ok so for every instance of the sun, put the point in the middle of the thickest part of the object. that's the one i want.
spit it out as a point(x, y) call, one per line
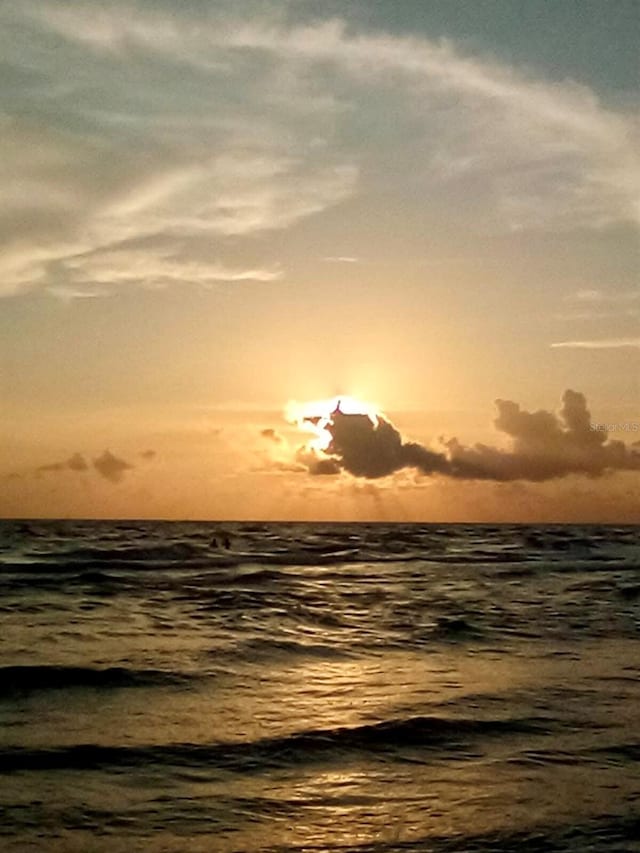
point(315, 416)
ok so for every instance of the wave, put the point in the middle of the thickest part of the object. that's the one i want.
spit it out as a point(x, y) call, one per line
point(454, 628)
point(34, 825)
point(415, 734)
point(94, 567)
point(607, 833)
point(620, 753)
point(446, 630)
point(273, 649)
point(93, 550)
point(31, 679)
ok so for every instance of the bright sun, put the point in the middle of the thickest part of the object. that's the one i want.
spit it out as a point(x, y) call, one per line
point(315, 416)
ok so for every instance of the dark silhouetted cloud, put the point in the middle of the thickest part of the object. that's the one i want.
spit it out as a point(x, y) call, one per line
point(544, 446)
point(271, 435)
point(373, 450)
point(111, 467)
point(316, 463)
point(148, 455)
point(76, 462)
point(51, 468)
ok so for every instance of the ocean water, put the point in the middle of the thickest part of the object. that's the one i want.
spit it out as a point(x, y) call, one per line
point(351, 687)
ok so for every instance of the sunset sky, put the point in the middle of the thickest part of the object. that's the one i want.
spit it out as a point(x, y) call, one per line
point(211, 210)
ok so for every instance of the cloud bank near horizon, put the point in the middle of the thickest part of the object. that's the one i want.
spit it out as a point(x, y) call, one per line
point(109, 466)
point(544, 446)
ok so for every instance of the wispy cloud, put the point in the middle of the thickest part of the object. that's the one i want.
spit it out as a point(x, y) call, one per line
point(198, 125)
point(68, 293)
point(551, 152)
point(135, 152)
point(599, 304)
point(605, 343)
point(600, 296)
point(586, 296)
point(94, 273)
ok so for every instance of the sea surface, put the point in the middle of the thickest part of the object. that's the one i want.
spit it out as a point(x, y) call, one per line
point(319, 687)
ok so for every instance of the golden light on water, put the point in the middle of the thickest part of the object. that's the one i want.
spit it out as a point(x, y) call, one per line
point(315, 416)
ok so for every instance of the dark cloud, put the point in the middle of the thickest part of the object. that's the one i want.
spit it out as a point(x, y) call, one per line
point(313, 462)
point(368, 450)
point(52, 467)
point(148, 455)
point(107, 465)
point(271, 435)
point(76, 462)
point(111, 467)
point(544, 446)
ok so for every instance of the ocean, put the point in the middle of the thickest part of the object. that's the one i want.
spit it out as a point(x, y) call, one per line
point(319, 687)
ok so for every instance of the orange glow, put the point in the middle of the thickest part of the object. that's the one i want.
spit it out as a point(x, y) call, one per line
point(315, 416)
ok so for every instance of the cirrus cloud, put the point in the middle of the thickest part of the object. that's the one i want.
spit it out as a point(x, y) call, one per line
point(198, 128)
point(599, 343)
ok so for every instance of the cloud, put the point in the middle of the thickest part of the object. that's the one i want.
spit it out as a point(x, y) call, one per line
point(593, 295)
point(111, 467)
point(107, 465)
point(148, 455)
point(280, 466)
point(68, 293)
point(317, 463)
point(544, 446)
point(605, 343)
point(93, 273)
point(271, 435)
point(141, 151)
point(550, 153)
point(373, 450)
point(589, 295)
point(230, 194)
point(52, 467)
point(76, 462)
point(195, 126)
point(596, 304)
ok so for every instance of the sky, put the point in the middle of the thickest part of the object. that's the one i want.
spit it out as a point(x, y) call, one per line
point(212, 211)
